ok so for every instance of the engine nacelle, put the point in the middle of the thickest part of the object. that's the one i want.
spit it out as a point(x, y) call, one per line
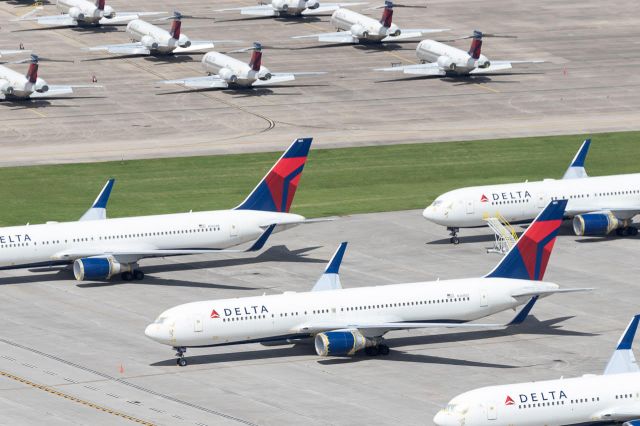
point(41, 86)
point(631, 423)
point(76, 13)
point(484, 64)
point(312, 4)
point(108, 12)
point(227, 75)
point(6, 88)
point(265, 76)
point(597, 223)
point(97, 268)
point(341, 343)
point(359, 31)
point(184, 41)
point(149, 42)
point(446, 63)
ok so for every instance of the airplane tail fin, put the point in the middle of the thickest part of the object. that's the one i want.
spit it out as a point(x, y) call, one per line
point(623, 360)
point(98, 209)
point(576, 168)
point(176, 25)
point(528, 258)
point(256, 57)
point(100, 4)
point(476, 44)
point(32, 72)
point(330, 280)
point(275, 191)
point(387, 14)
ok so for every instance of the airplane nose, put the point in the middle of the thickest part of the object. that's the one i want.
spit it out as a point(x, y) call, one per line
point(445, 419)
point(428, 213)
point(157, 333)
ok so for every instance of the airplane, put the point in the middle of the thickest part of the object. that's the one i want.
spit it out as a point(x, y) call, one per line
point(14, 85)
point(225, 71)
point(439, 59)
point(98, 250)
point(287, 8)
point(597, 205)
point(356, 28)
point(84, 12)
point(151, 39)
point(610, 398)
point(344, 321)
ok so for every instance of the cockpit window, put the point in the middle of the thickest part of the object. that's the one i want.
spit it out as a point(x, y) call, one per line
point(451, 407)
point(437, 203)
point(160, 320)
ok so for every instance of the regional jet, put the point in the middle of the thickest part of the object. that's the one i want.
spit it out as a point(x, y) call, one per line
point(356, 28)
point(286, 8)
point(598, 205)
point(345, 321)
point(610, 398)
point(101, 249)
point(225, 71)
point(439, 59)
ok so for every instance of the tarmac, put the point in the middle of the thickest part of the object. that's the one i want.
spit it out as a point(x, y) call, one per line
point(588, 83)
point(75, 353)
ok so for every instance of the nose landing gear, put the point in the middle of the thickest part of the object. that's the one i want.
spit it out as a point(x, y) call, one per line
point(454, 235)
point(181, 361)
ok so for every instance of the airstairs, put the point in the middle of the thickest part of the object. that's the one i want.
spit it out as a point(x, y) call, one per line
point(505, 235)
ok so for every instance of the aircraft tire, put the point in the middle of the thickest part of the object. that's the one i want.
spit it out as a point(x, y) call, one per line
point(126, 276)
point(138, 275)
point(181, 362)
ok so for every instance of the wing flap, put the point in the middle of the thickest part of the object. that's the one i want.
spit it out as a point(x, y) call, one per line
point(494, 67)
point(275, 79)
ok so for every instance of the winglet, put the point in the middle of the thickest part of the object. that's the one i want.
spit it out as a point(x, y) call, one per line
point(330, 280)
point(623, 360)
point(98, 210)
point(524, 312)
point(576, 169)
point(260, 242)
point(528, 258)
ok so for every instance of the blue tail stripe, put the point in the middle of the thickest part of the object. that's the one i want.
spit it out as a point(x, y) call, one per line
point(334, 264)
point(581, 156)
point(103, 198)
point(629, 334)
point(285, 191)
point(300, 148)
point(524, 313)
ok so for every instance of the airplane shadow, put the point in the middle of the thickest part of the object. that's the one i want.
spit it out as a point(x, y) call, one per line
point(80, 30)
point(531, 326)
point(366, 47)
point(468, 239)
point(289, 20)
point(462, 80)
point(29, 103)
point(246, 91)
point(159, 59)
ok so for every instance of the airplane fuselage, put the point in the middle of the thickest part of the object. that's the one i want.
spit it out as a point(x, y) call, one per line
point(284, 316)
point(15, 85)
point(581, 400)
point(232, 70)
point(363, 27)
point(452, 60)
point(291, 7)
point(155, 38)
point(84, 11)
point(521, 202)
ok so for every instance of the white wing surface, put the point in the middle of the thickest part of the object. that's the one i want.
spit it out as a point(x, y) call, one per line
point(208, 82)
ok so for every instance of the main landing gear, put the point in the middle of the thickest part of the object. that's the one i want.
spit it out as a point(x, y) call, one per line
point(454, 235)
point(181, 361)
point(380, 349)
point(627, 231)
point(136, 274)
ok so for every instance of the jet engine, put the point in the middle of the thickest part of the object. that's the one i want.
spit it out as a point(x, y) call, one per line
point(76, 13)
point(484, 64)
point(184, 41)
point(41, 86)
point(446, 63)
point(341, 342)
point(227, 75)
point(359, 31)
point(265, 75)
point(632, 423)
point(312, 4)
point(97, 268)
point(149, 42)
point(598, 224)
point(6, 88)
point(108, 12)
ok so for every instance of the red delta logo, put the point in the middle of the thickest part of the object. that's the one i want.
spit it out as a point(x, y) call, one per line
point(214, 314)
point(483, 199)
point(509, 401)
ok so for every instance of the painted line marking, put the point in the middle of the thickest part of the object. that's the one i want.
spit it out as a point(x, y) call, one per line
point(395, 55)
point(491, 89)
point(37, 112)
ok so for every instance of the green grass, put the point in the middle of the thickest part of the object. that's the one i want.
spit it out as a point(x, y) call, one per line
point(335, 181)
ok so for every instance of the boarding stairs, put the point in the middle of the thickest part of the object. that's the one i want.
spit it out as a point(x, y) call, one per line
point(505, 235)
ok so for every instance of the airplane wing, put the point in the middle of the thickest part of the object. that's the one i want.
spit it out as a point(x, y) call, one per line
point(56, 90)
point(412, 33)
point(329, 7)
point(126, 17)
point(132, 254)
point(280, 77)
point(429, 69)
point(620, 414)
point(54, 20)
point(121, 49)
point(627, 211)
point(337, 37)
point(262, 10)
point(208, 82)
point(500, 66)
point(195, 46)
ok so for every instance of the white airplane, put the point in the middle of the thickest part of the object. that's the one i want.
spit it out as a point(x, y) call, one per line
point(598, 205)
point(279, 8)
point(610, 398)
point(151, 39)
point(354, 28)
point(84, 12)
point(225, 71)
point(344, 321)
point(18, 86)
point(439, 59)
point(101, 249)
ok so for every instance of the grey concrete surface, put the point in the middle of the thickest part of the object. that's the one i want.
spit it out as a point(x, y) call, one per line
point(86, 340)
point(588, 84)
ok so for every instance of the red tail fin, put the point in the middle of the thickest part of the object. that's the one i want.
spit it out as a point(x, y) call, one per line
point(175, 28)
point(387, 15)
point(100, 4)
point(256, 57)
point(476, 45)
point(32, 73)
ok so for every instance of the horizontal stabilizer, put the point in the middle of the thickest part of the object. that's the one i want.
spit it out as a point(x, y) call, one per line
point(576, 169)
point(330, 280)
point(623, 360)
point(550, 291)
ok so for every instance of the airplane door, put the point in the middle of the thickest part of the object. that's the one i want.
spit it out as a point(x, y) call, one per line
point(492, 412)
point(541, 202)
point(233, 231)
point(484, 299)
point(470, 207)
point(197, 325)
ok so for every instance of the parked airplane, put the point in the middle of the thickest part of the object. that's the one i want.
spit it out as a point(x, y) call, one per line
point(356, 28)
point(151, 39)
point(439, 59)
point(344, 321)
point(289, 8)
point(101, 250)
point(84, 12)
point(598, 205)
point(610, 398)
point(225, 71)
point(17, 86)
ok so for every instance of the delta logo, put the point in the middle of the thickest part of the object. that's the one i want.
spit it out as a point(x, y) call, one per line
point(509, 401)
point(483, 199)
point(214, 314)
